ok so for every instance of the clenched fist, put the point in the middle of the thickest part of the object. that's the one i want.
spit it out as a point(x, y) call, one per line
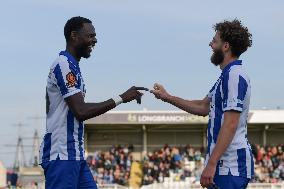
point(160, 92)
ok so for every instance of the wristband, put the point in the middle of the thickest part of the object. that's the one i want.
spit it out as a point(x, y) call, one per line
point(118, 100)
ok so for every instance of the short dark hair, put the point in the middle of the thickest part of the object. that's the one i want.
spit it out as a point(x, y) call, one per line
point(74, 24)
point(235, 34)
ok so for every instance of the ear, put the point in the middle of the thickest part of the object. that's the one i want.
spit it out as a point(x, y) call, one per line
point(226, 46)
point(73, 36)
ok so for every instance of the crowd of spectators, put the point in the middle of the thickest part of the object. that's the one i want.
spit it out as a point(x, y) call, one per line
point(113, 166)
point(269, 164)
point(177, 163)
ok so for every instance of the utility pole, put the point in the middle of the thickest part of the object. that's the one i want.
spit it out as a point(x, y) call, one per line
point(35, 149)
point(35, 146)
point(20, 155)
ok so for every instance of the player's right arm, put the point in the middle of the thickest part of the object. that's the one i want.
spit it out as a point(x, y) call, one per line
point(83, 111)
point(66, 78)
point(196, 107)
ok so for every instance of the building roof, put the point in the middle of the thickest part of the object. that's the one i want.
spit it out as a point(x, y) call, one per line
point(267, 116)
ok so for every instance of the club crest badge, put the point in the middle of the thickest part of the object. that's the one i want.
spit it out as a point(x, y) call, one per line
point(71, 79)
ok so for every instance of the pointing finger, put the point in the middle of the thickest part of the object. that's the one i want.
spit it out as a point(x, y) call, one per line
point(142, 88)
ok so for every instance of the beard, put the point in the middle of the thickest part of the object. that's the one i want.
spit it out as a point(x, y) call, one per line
point(83, 51)
point(217, 57)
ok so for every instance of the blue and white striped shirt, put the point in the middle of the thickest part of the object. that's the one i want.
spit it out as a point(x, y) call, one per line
point(64, 138)
point(231, 92)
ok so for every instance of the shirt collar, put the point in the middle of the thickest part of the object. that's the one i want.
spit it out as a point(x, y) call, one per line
point(70, 58)
point(236, 62)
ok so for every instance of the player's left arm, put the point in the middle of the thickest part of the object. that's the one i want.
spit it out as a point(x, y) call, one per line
point(225, 137)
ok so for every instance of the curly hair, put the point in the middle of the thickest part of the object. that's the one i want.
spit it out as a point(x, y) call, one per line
point(235, 34)
point(74, 24)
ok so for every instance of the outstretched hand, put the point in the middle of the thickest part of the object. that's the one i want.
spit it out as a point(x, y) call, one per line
point(133, 93)
point(160, 92)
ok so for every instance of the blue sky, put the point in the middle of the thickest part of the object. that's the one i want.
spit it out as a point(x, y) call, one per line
point(139, 43)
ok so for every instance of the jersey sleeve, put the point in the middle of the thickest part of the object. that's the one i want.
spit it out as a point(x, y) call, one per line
point(234, 89)
point(66, 79)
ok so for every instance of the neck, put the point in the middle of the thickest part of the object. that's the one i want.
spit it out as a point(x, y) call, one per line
point(227, 60)
point(72, 51)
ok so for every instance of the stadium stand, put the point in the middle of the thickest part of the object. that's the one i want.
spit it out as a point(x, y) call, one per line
point(175, 165)
point(181, 167)
point(151, 163)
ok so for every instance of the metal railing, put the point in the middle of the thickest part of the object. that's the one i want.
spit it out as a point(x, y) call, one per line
point(182, 185)
point(174, 185)
point(111, 186)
